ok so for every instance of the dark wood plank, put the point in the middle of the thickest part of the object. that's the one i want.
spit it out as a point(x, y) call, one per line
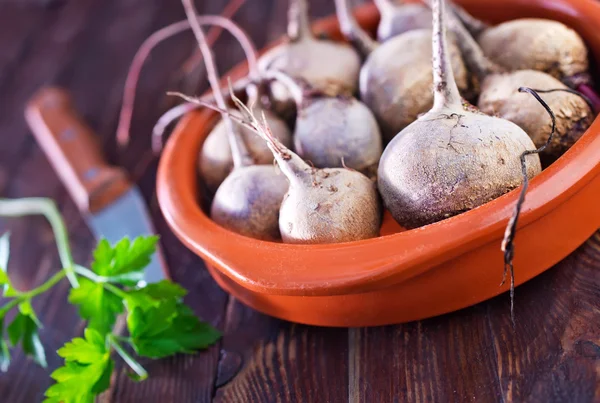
point(52, 46)
point(276, 361)
point(554, 353)
point(17, 36)
point(87, 47)
point(55, 46)
point(475, 355)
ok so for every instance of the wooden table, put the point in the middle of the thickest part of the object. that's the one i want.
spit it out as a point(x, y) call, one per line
point(553, 354)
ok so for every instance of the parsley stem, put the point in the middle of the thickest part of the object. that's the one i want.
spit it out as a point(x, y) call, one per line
point(47, 208)
point(82, 271)
point(115, 290)
point(87, 273)
point(10, 305)
point(122, 338)
point(133, 364)
point(51, 282)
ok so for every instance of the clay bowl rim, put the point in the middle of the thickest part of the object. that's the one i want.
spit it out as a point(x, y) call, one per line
point(310, 270)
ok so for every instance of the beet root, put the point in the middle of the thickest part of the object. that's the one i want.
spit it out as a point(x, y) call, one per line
point(500, 96)
point(216, 161)
point(338, 132)
point(248, 201)
point(537, 44)
point(397, 19)
point(453, 158)
point(328, 205)
point(322, 63)
point(309, 211)
point(447, 163)
point(396, 80)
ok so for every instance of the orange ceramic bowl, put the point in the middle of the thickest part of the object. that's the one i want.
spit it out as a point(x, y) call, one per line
point(402, 275)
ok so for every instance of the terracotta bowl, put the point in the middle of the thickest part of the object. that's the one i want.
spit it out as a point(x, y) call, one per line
point(402, 275)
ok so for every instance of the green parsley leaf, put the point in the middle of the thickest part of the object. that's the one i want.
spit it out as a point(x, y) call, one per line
point(25, 329)
point(168, 329)
point(85, 351)
point(103, 382)
point(126, 261)
point(4, 281)
point(9, 291)
point(153, 294)
point(86, 372)
point(96, 304)
point(103, 257)
point(26, 309)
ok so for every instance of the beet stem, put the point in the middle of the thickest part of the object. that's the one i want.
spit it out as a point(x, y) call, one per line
point(293, 86)
point(508, 246)
point(177, 111)
point(299, 21)
point(570, 91)
point(385, 6)
point(474, 25)
point(169, 116)
point(239, 151)
point(192, 70)
point(195, 60)
point(446, 93)
point(293, 167)
point(207, 104)
point(124, 126)
point(359, 38)
point(477, 62)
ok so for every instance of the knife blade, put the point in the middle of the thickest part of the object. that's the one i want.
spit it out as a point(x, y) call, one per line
point(112, 206)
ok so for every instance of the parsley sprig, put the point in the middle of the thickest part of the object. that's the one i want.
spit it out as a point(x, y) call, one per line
point(159, 324)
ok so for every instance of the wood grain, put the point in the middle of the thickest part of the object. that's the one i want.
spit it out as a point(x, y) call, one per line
point(25, 382)
point(281, 362)
point(552, 355)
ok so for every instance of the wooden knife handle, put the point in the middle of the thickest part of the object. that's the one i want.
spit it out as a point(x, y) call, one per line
point(73, 151)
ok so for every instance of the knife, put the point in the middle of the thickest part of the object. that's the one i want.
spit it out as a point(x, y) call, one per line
point(112, 206)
